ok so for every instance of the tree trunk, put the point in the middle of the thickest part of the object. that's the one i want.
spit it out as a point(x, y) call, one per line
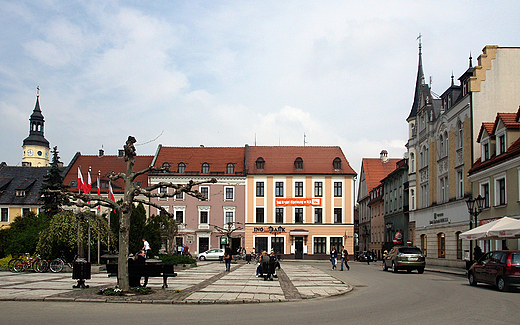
point(122, 273)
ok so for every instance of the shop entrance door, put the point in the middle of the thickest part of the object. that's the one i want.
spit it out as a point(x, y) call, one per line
point(203, 244)
point(260, 244)
point(298, 247)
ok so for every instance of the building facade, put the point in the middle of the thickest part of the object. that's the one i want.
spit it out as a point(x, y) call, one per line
point(35, 146)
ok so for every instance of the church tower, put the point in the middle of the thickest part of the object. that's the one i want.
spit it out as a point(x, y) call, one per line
point(35, 146)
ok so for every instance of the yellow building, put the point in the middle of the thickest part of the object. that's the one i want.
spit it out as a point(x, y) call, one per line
point(299, 201)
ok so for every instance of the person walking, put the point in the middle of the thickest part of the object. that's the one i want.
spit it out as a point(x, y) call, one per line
point(146, 248)
point(369, 257)
point(344, 258)
point(227, 258)
point(333, 257)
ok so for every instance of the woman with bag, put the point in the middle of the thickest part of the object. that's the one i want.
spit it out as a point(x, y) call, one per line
point(333, 257)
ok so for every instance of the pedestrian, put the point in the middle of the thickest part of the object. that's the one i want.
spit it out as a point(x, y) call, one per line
point(333, 257)
point(259, 270)
point(344, 258)
point(186, 251)
point(369, 257)
point(146, 248)
point(227, 258)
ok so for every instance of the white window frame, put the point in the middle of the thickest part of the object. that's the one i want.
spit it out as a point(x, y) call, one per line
point(232, 193)
point(498, 178)
point(487, 198)
point(228, 209)
point(204, 208)
point(460, 183)
point(181, 208)
point(499, 150)
point(303, 188)
point(7, 214)
point(200, 190)
point(161, 192)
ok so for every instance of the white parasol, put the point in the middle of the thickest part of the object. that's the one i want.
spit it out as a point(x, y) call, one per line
point(502, 228)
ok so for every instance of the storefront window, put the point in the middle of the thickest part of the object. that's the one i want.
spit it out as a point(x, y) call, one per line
point(320, 245)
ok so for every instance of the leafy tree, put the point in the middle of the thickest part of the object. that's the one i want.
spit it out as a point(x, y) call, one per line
point(22, 235)
point(62, 232)
point(137, 228)
point(53, 201)
point(131, 196)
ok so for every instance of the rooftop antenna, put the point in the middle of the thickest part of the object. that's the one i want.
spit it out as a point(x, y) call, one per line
point(304, 139)
point(255, 139)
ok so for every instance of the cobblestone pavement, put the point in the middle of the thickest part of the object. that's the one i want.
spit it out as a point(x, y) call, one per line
point(206, 283)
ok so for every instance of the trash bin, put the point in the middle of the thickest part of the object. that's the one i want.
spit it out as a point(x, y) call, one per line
point(81, 272)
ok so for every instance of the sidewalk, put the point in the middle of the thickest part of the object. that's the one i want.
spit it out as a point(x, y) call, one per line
point(206, 283)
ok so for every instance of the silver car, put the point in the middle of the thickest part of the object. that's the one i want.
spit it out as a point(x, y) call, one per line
point(211, 254)
point(404, 258)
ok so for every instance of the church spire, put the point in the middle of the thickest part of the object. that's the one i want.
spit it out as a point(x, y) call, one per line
point(418, 82)
point(35, 145)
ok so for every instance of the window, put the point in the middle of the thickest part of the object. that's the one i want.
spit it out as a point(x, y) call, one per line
point(412, 199)
point(459, 245)
point(260, 189)
point(441, 245)
point(298, 215)
point(230, 168)
point(442, 146)
point(412, 162)
point(484, 192)
point(460, 184)
point(25, 211)
point(501, 144)
point(204, 217)
point(277, 245)
point(298, 163)
point(229, 217)
point(337, 189)
point(337, 163)
point(298, 189)
point(260, 215)
point(278, 189)
point(337, 215)
point(230, 193)
point(500, 191)
point(163, 190)
point(181, 168)
point(424, 242)
point(460, 133)
point(318, 218)
point(320, 245)
point(205, 168)
point(179, 216)
point(443, 189)
point(204, 190)
point(20, 193)
point(336, 242)
point(485, 150)
point(166, 167)
point(260, 163)
point(4, 215)
point(318, 189)
point(279, 215)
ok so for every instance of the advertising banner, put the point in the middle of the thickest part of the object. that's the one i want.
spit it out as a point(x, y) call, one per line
point(297, 202)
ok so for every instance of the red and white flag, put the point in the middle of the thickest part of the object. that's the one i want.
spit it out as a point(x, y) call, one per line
point(110, 192)
point(88, 186)
point(81, 183)
point(98, 191)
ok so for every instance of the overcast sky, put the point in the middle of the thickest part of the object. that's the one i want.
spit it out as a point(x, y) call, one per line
point(229, 73)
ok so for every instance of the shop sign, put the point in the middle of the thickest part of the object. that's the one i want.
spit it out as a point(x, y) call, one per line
point(270, 230)
point(296, 202)
point(439, 218)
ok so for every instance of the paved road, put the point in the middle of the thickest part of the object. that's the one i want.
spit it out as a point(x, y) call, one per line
point(378, 298)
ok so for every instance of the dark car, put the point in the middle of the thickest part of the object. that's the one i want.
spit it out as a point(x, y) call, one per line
point(500, 268)
point(407, 258)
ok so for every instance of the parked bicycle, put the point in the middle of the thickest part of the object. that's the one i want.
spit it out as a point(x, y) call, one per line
point(57, 264)
point(27, 262)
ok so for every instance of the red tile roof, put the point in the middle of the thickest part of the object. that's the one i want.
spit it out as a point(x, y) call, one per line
point(217, 157)
point(509, 120)
point(512, 152)
point(375, 170)
point(486, 127)
point(106, 164)
point(280, 160)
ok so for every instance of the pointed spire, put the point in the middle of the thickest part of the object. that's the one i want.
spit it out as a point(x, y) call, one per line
point(470, 60)
point(418, 81)
point(36, 125)
point(452, 78)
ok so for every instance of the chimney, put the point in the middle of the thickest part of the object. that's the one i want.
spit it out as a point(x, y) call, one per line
point(383, 156)
point(121, 153)
point(101, 152)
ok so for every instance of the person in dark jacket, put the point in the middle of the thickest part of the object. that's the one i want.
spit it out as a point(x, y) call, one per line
point(333, 257)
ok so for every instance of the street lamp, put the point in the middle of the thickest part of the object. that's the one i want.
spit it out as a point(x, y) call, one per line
point(474, 211)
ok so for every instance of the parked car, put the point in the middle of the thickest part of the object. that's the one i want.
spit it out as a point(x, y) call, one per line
point(360, 256)
point(407, 258)
point(211, 254)
point(500, 268)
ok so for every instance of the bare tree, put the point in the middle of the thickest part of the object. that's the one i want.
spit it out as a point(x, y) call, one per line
point(124, 209)
point(228, 229)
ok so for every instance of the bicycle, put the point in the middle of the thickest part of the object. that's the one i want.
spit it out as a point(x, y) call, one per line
point(21, 264)
point(57, 264)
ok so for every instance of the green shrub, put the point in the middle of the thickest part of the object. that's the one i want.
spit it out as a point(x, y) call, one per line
point(4, 261)
point(176, 260)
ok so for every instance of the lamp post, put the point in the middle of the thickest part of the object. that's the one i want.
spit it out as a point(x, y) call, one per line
point(474, 211)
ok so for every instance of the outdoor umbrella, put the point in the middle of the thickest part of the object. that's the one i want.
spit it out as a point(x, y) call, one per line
point(499, 229)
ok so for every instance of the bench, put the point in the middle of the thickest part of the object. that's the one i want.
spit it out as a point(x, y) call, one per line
point(136, 271)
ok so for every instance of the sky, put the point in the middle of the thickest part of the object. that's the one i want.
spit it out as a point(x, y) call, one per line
point(230, 73)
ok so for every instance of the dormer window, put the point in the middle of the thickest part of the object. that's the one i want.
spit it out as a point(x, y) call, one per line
point(298, 163)
point(485, 151)
point(181, 168)
point(230, 168)
point(260, 163)
point(166, 167)
point(205, 168)
point(20, 193)
point(501, 144)
point(337, 163)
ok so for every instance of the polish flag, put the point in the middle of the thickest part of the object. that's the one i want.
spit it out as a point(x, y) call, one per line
point(88, 186)
point(110, 192)
point(81, 183)
point(98, 192)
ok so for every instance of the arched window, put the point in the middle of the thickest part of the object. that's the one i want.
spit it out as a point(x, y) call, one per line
point(260, 163)
point(298, 163)
point(205, 168)
point(412, 162)
point(181, 168)
point(166, 166)
point(441, 145)
point(337, 163)
point(441, 245)
point(230, 168)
